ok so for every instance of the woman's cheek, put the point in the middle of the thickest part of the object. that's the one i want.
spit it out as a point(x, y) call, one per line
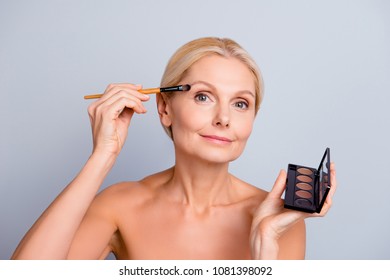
point(244, 127)
point(194, 117)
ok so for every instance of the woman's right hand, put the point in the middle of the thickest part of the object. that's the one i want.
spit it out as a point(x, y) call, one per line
point(54, 233)
point(110, 116)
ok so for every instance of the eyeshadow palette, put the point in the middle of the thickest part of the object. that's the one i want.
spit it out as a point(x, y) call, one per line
point(307, 187)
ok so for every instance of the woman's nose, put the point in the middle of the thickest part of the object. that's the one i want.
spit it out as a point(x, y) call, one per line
point(222, 116)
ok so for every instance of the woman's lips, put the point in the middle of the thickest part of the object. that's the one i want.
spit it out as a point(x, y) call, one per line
point(217, 139)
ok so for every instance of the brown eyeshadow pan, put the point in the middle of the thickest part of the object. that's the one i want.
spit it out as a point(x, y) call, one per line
point(304, 178)
point(305, 171)
point(303, 194)
point(304, 186)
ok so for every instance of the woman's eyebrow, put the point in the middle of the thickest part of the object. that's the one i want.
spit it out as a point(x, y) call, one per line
point(214, 88)
point(204, 83)
point(247, 92)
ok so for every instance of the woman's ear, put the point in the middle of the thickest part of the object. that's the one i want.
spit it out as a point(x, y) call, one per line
point(164, 110)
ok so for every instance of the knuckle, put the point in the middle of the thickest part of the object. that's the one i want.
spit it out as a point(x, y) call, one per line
point(122, 93)
point(100, 110)
point(124, 100)
point(91, 110)
point(110, 86)
point(103, 110)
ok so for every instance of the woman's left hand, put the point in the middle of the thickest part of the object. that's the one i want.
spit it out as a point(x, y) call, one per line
point(271, 219)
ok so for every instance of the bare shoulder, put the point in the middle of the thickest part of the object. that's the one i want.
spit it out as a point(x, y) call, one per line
point(247, 189)
point(131, 193)
point(247, 192)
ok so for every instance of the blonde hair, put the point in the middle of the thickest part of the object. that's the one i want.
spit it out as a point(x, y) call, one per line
point(191, 52)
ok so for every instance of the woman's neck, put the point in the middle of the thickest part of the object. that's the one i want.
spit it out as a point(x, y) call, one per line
point(200, 184)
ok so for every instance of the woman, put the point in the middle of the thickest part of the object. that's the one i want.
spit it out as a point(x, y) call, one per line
point(194, 210)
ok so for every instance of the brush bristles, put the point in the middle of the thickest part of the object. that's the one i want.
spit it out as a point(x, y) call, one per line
point(175, 88)
point(185, 87)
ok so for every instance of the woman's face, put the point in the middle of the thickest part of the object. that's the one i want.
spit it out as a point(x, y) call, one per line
point(214, 119)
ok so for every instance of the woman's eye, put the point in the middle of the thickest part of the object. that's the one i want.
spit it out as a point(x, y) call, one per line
point(241, 105)
point(201, 97)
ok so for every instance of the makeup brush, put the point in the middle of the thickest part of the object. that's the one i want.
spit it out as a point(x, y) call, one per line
point(149, 91)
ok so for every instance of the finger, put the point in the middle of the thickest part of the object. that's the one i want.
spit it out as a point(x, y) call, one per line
point(120, 90)
point(140, 108)
point(129, 103)
point(126, 116)
point(333, 180)
point(279, 185)
point(113, 99)
point(123, 96)
point(123, 85)
point(113, 110)
point(110, 92)
point(135, 92)
point(326, 207)
point(117, 90)
point(333, 187)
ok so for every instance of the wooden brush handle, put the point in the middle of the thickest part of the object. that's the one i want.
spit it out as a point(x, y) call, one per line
point(144, 91)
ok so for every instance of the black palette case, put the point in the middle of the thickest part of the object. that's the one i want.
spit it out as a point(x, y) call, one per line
point(307, 187)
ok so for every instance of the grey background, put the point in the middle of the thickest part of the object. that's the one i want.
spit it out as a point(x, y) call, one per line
point(326, 68)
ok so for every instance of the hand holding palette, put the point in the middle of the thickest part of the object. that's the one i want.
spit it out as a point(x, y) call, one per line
point(307, 187)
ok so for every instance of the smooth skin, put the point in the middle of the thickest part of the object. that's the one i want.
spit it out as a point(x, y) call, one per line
point(194, 210)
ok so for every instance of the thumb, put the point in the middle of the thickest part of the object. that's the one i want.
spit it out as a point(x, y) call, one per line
point(279, 185)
